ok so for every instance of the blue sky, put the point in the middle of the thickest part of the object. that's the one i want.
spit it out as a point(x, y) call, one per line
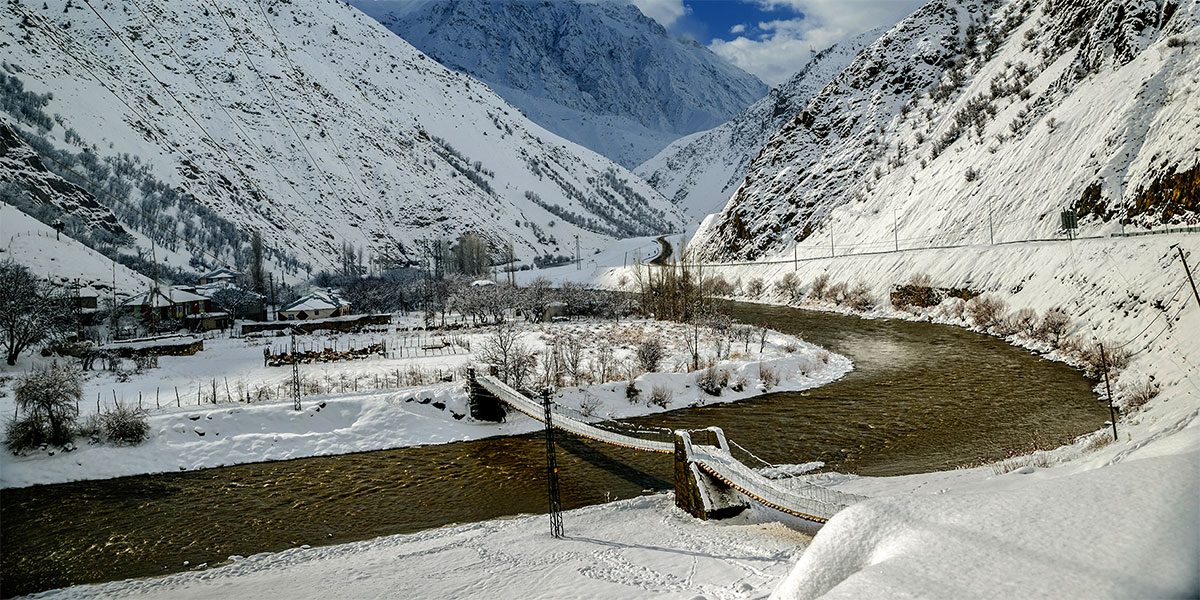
point(773, 38)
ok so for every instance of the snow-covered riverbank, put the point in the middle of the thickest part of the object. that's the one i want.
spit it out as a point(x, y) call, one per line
point(202, 436)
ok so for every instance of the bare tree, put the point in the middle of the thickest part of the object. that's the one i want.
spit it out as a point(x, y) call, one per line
point(512, 359)
point(31, 310)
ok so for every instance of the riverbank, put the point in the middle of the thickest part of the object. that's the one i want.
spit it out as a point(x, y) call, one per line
point(1128, 293)
point(187, 438)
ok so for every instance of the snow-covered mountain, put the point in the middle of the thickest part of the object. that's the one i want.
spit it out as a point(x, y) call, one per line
point(599, 73)
point(700, 171)
point(309, 122)
point(980, 120)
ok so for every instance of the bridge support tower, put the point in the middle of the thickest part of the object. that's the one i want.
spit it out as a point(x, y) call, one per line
point(695, 492)
point(483, 405)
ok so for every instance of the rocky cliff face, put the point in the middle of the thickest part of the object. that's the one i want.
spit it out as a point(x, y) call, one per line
point(981, 120)
point(699, 172)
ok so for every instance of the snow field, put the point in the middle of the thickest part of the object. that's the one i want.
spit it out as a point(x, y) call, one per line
point(334, 421)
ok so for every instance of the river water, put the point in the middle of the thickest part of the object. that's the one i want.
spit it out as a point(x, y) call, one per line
point(922, 397)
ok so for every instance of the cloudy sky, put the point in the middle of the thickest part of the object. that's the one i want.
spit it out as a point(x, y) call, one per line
point(773, 38)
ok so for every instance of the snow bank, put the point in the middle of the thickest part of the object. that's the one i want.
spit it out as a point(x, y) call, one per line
point(639, 548)
point(1127, 531)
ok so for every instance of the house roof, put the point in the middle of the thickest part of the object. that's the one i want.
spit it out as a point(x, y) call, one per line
point(161, 297)
point(325, 300)
point(221, 273)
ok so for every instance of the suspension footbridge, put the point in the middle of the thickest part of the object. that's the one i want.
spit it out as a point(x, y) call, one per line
point(709, 481)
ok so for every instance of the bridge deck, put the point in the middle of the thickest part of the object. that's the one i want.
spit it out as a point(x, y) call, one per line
point(533, 409)
point(799, 499)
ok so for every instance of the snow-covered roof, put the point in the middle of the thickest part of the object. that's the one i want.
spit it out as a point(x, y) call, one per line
point(221, 273)
point(483, 282)
point(325, 300)
point(161, 297)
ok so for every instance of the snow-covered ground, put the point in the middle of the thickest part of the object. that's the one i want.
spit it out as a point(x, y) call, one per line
point(333, 421)
point(639, 548)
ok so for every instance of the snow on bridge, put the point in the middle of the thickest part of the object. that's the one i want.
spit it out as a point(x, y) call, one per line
point(724, 472)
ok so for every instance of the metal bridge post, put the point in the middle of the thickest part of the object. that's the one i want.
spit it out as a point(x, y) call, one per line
point(556, 520)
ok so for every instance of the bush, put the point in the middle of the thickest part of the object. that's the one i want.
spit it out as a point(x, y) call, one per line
point(589, 404)
point(92, 428)
point(755, 287)
point(819, 286)
point(651, 352)
point(1054, 326)
point(125, 426)
point(711, 380)
point(789, 287)
point(1024, 321)
point(986, 312)
point(859, 297)
point(767, 376)
point(25, 434)
point(49, 400)
point(739, 384)
point(1094, 360)
point(632, 393)
point(661, 396)
point(836, 293)
point(1138, 394)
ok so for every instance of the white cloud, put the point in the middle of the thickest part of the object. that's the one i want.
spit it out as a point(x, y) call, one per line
point(666, 12)
point(739, 28)
point(782, 47)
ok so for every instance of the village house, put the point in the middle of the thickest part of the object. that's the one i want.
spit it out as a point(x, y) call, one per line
point(169, 303)
point(219, 277)
point(316, 305)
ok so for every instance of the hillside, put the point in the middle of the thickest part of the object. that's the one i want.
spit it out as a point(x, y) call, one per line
point(981, 120)
point(308, 122)
point(599, 73)
point(699, 172)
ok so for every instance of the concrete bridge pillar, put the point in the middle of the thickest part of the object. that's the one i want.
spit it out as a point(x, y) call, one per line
point(696, 492)
point(483, 405)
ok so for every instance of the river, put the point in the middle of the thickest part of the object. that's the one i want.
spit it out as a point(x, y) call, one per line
point(922, 397)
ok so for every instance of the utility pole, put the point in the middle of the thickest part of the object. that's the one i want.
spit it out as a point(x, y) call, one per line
point(274, 308)
point(796, 256)
point(831, 253)
point(295, 375)
point(556, 520)
point(578, 263)
point(1189, 273)
point(991, 233)
point(896, 230)
point(1112, 411)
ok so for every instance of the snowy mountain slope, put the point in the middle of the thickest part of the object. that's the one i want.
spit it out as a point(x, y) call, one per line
point(980, 121)
point(599, 73)
point(34, 244)
point(699, 172)
point(317, 126)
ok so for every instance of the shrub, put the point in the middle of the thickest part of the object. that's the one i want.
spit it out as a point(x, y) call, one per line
point(859, 297)
point(632, 393)
point(1054, 326)
point(986, 312)
point(1024, 321)
point(651, 352)
point(789, 286)
point(836, 293)
point(767, 376)
point(819, 286)
point(91, 428)
point(49, 400)
point(739, 384)
point(1094, 358)
point(661, 396)
point(589, 404)
point(1138, 394)
point(711, 380)
point(755, 287)
point(717, 285)
point(125, 426)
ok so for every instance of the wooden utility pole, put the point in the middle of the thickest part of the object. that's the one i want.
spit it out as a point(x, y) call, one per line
point(1112, 410)
point(295, 375)
point(1187, 270)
